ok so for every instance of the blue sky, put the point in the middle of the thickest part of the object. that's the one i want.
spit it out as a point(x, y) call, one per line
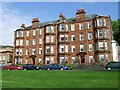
point(13, 14)
point(50, 11)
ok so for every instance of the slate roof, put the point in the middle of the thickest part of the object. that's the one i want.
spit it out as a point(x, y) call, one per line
point(88, 17)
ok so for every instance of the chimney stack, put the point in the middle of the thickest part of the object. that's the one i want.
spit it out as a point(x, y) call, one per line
point(80, 15)
point(23, 25)
point(62, 17)
point(35, 22)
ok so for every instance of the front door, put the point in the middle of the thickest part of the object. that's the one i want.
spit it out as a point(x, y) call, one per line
point(82, 59)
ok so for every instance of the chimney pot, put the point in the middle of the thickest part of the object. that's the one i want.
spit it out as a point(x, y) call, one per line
point(35, 20)
point(23, 25)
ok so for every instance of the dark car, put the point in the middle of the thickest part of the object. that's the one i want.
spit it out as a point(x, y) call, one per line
point(113, 66)
point(30, 67)
point(13, 67)
point(56, 67)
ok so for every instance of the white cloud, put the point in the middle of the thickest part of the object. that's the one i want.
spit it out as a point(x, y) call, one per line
point(11, 19)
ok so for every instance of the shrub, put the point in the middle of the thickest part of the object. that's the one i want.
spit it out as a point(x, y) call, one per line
point(92, 66)
point(70, 66)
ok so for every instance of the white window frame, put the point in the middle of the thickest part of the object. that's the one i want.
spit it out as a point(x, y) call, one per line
point(51, 60)
point(34, 32)
point(47, 38)
point(40, 41)
point(20, 51)
point(41, 31)
point(27, 33)
point(51, 49)
point(33, 51)
point(17, 42)
point(99, 21)
point(62, 36)
point(91, 59)
point(48, 47)
point(104, 33)
point(90, 47)
point(47, 59)
point(27, 42)
point(21, 42)
point(101, 45)
point(17, 51)
point(62, 47)
point(72, 48)
point(104, 20)
point(81, 26)
point(47, 29)
point(102, 55)
point(40, 60)
point(26, 61)
point(62, 59)
point(81, 36)
point(62, 27)
point(27, 51)
point(66, 37)
point(89, 25)
point(52, 39)
point(100, 32)
point(40, 51)
point(90, 36)
point(72, 36)
point(81, 47)
point(52, 29)
point(106, 45)
point(66, 27)
point(73, 59)
point(66, 48)
point(34, 42)
point(72, 27)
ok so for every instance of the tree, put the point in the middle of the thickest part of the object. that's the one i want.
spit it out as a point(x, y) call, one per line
point(116, 30)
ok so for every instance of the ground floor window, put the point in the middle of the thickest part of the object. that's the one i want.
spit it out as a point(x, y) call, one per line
point(106, 57)
point(62, 60)
point(20, 61)
point(73, 59)
point(91, 59)
point(47, 60)
point(16, 61)
point(52, 60)
point(101, 57)
point(26, 61)
point(40, 60)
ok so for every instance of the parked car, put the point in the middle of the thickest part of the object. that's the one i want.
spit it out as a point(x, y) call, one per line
point(55, 67)
point(13, 67)
point(113, 66)
point(2, 66)
point(30, 67)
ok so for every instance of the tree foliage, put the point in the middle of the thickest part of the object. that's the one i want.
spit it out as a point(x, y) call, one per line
point(116, 30)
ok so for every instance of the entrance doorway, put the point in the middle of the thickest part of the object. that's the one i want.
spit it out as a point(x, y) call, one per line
point(82, 59)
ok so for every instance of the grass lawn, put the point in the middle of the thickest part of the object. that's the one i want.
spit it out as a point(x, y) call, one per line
point(59, 79)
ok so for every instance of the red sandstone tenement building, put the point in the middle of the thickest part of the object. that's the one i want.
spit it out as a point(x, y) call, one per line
point(86, 37)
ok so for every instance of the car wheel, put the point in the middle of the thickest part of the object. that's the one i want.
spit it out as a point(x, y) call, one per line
point(48, 68)
point(108, 68)
point(61, 69)
point(25, 69)
point(40, 69)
